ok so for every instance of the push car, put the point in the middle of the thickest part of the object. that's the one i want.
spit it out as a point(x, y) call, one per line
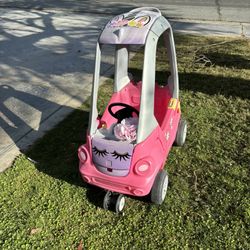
point(133, 165)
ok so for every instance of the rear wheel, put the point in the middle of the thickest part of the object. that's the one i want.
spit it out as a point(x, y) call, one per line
point(107, 200)
point(160, 186)
point(181, 133)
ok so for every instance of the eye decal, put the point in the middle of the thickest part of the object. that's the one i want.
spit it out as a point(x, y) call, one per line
point(124, 157)
point(100, 152)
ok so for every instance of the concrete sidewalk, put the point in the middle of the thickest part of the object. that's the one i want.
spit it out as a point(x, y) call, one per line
point(46, 66)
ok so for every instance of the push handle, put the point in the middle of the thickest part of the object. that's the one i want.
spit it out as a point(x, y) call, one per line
point(146, 8)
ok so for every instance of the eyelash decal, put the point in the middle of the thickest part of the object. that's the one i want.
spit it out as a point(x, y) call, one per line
point(100, 152)
point(124, 157)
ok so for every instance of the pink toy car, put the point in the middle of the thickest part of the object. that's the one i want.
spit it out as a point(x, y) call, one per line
point(126, 149)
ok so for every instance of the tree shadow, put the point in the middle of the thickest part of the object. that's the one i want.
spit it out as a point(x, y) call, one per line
point(205, 83)
point(215, 85)
point(57, 47)
point(38, 51)
point(13, 106)
point(229, 61)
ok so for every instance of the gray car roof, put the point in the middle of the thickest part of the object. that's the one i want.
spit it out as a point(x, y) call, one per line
point(130, 28)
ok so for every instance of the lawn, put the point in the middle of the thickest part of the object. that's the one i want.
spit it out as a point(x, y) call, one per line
point(44, 204)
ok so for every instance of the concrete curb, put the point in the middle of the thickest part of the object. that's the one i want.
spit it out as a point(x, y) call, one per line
point(211, 28)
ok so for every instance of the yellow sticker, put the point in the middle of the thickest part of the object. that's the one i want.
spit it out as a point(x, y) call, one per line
point(172, 103)
point(179, 107)
point(132, 23)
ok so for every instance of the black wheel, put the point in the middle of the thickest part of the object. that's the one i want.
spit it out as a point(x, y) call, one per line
point(107, 200)
point(160, 186)
point(181, 133)
point(114, 202)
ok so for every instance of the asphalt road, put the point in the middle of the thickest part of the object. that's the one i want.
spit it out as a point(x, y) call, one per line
point(212, 10)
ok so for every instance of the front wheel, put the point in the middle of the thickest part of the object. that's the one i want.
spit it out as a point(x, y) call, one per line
point(160, 186)
point(181, 133)
point(114, 202)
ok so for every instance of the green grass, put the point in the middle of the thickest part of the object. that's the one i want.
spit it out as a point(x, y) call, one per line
point(46, 205)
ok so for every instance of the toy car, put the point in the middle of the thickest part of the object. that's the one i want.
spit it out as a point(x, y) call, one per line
point(133, 166)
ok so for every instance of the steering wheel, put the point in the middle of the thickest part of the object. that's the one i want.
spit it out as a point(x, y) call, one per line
point(123, 113)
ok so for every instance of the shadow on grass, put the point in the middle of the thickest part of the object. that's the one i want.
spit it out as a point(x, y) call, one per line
point(215, 85)
point(229, 61)
point(207, 84)
point(56, 152)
